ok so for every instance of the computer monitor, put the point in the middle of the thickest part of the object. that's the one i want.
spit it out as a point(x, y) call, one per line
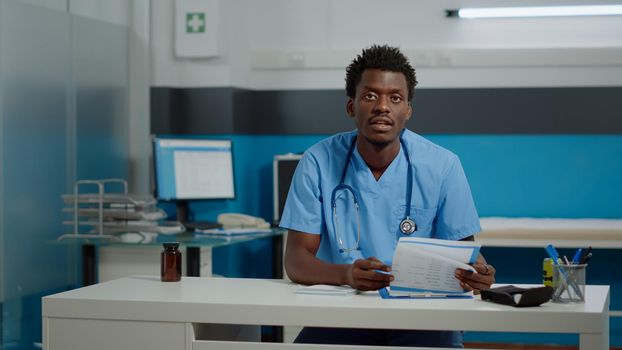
point(284, 166)
point(192, 169)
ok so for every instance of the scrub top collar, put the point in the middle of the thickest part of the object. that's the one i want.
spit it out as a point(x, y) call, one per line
point(368, 183)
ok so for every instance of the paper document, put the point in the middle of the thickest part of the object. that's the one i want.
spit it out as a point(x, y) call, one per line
point(423, 266)
point(325, 289)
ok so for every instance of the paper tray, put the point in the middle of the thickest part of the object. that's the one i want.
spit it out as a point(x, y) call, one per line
point(123, 214)
point(109, 198)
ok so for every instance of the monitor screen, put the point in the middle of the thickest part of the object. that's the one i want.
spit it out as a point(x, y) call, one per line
point(284, 166)
point(193, 169)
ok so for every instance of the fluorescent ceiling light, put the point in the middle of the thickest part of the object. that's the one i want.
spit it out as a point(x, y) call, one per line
point(536, 11)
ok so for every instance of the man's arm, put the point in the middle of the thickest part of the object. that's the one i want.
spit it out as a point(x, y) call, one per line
point(302, 266)
point(484, 277)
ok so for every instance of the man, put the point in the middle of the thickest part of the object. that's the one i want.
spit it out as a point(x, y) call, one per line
point(355, 194)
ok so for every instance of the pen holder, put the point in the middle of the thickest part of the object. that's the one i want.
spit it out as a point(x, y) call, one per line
point(569, 283)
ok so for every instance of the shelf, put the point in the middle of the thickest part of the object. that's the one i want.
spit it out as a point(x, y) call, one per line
point(185, 239)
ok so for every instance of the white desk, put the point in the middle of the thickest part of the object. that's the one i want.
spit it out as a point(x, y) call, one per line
point(142, 312)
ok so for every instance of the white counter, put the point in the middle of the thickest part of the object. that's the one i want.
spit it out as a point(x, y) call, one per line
point(142, 312)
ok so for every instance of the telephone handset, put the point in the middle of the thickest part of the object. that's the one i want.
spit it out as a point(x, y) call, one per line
point(235, 220)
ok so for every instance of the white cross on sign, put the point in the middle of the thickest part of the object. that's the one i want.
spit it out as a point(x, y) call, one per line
point(195, 22)
point(198, 31)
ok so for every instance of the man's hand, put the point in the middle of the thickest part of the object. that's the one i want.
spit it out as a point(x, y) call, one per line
point(362, 275)
point(481, 280)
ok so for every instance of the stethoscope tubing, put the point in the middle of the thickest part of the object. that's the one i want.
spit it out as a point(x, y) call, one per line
point(407, 225)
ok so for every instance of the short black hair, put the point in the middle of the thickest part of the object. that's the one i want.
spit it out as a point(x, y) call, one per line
point(381, 57)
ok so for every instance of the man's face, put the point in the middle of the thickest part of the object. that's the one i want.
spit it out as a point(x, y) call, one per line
point(380, 107)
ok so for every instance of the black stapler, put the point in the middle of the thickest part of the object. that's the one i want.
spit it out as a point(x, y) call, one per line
point(518, 297)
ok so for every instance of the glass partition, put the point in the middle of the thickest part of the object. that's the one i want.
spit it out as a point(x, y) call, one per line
point(63, 115)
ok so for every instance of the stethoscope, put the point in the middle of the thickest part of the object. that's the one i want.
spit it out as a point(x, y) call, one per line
point(407, 225)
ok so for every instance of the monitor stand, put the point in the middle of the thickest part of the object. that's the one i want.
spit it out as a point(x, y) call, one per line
point(191, 224)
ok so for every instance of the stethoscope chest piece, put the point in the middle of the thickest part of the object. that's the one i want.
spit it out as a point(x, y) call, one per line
point(408, 226)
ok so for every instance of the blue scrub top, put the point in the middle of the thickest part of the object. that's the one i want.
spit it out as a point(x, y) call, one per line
point(442, 204)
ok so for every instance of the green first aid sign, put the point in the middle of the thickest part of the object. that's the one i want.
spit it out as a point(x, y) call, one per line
point(195, 22)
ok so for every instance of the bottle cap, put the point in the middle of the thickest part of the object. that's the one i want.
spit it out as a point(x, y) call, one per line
point(171, 245)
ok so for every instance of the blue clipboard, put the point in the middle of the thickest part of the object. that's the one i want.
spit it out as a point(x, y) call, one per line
point(385, 294)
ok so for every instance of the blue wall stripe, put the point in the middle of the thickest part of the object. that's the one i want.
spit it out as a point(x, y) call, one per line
point(566, 176)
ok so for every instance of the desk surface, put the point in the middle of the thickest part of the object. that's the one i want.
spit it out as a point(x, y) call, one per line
point(274, 302)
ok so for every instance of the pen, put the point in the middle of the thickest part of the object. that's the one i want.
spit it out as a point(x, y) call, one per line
point(437, 295)
point(566, 260)
point(584, 258)
point(577, 257)
point(550, 250)
point(426, 295)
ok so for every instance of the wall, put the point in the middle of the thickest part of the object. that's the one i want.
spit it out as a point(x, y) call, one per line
point(300, 39)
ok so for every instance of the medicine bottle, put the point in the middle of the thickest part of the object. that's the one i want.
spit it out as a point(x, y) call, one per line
point(170, 267)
